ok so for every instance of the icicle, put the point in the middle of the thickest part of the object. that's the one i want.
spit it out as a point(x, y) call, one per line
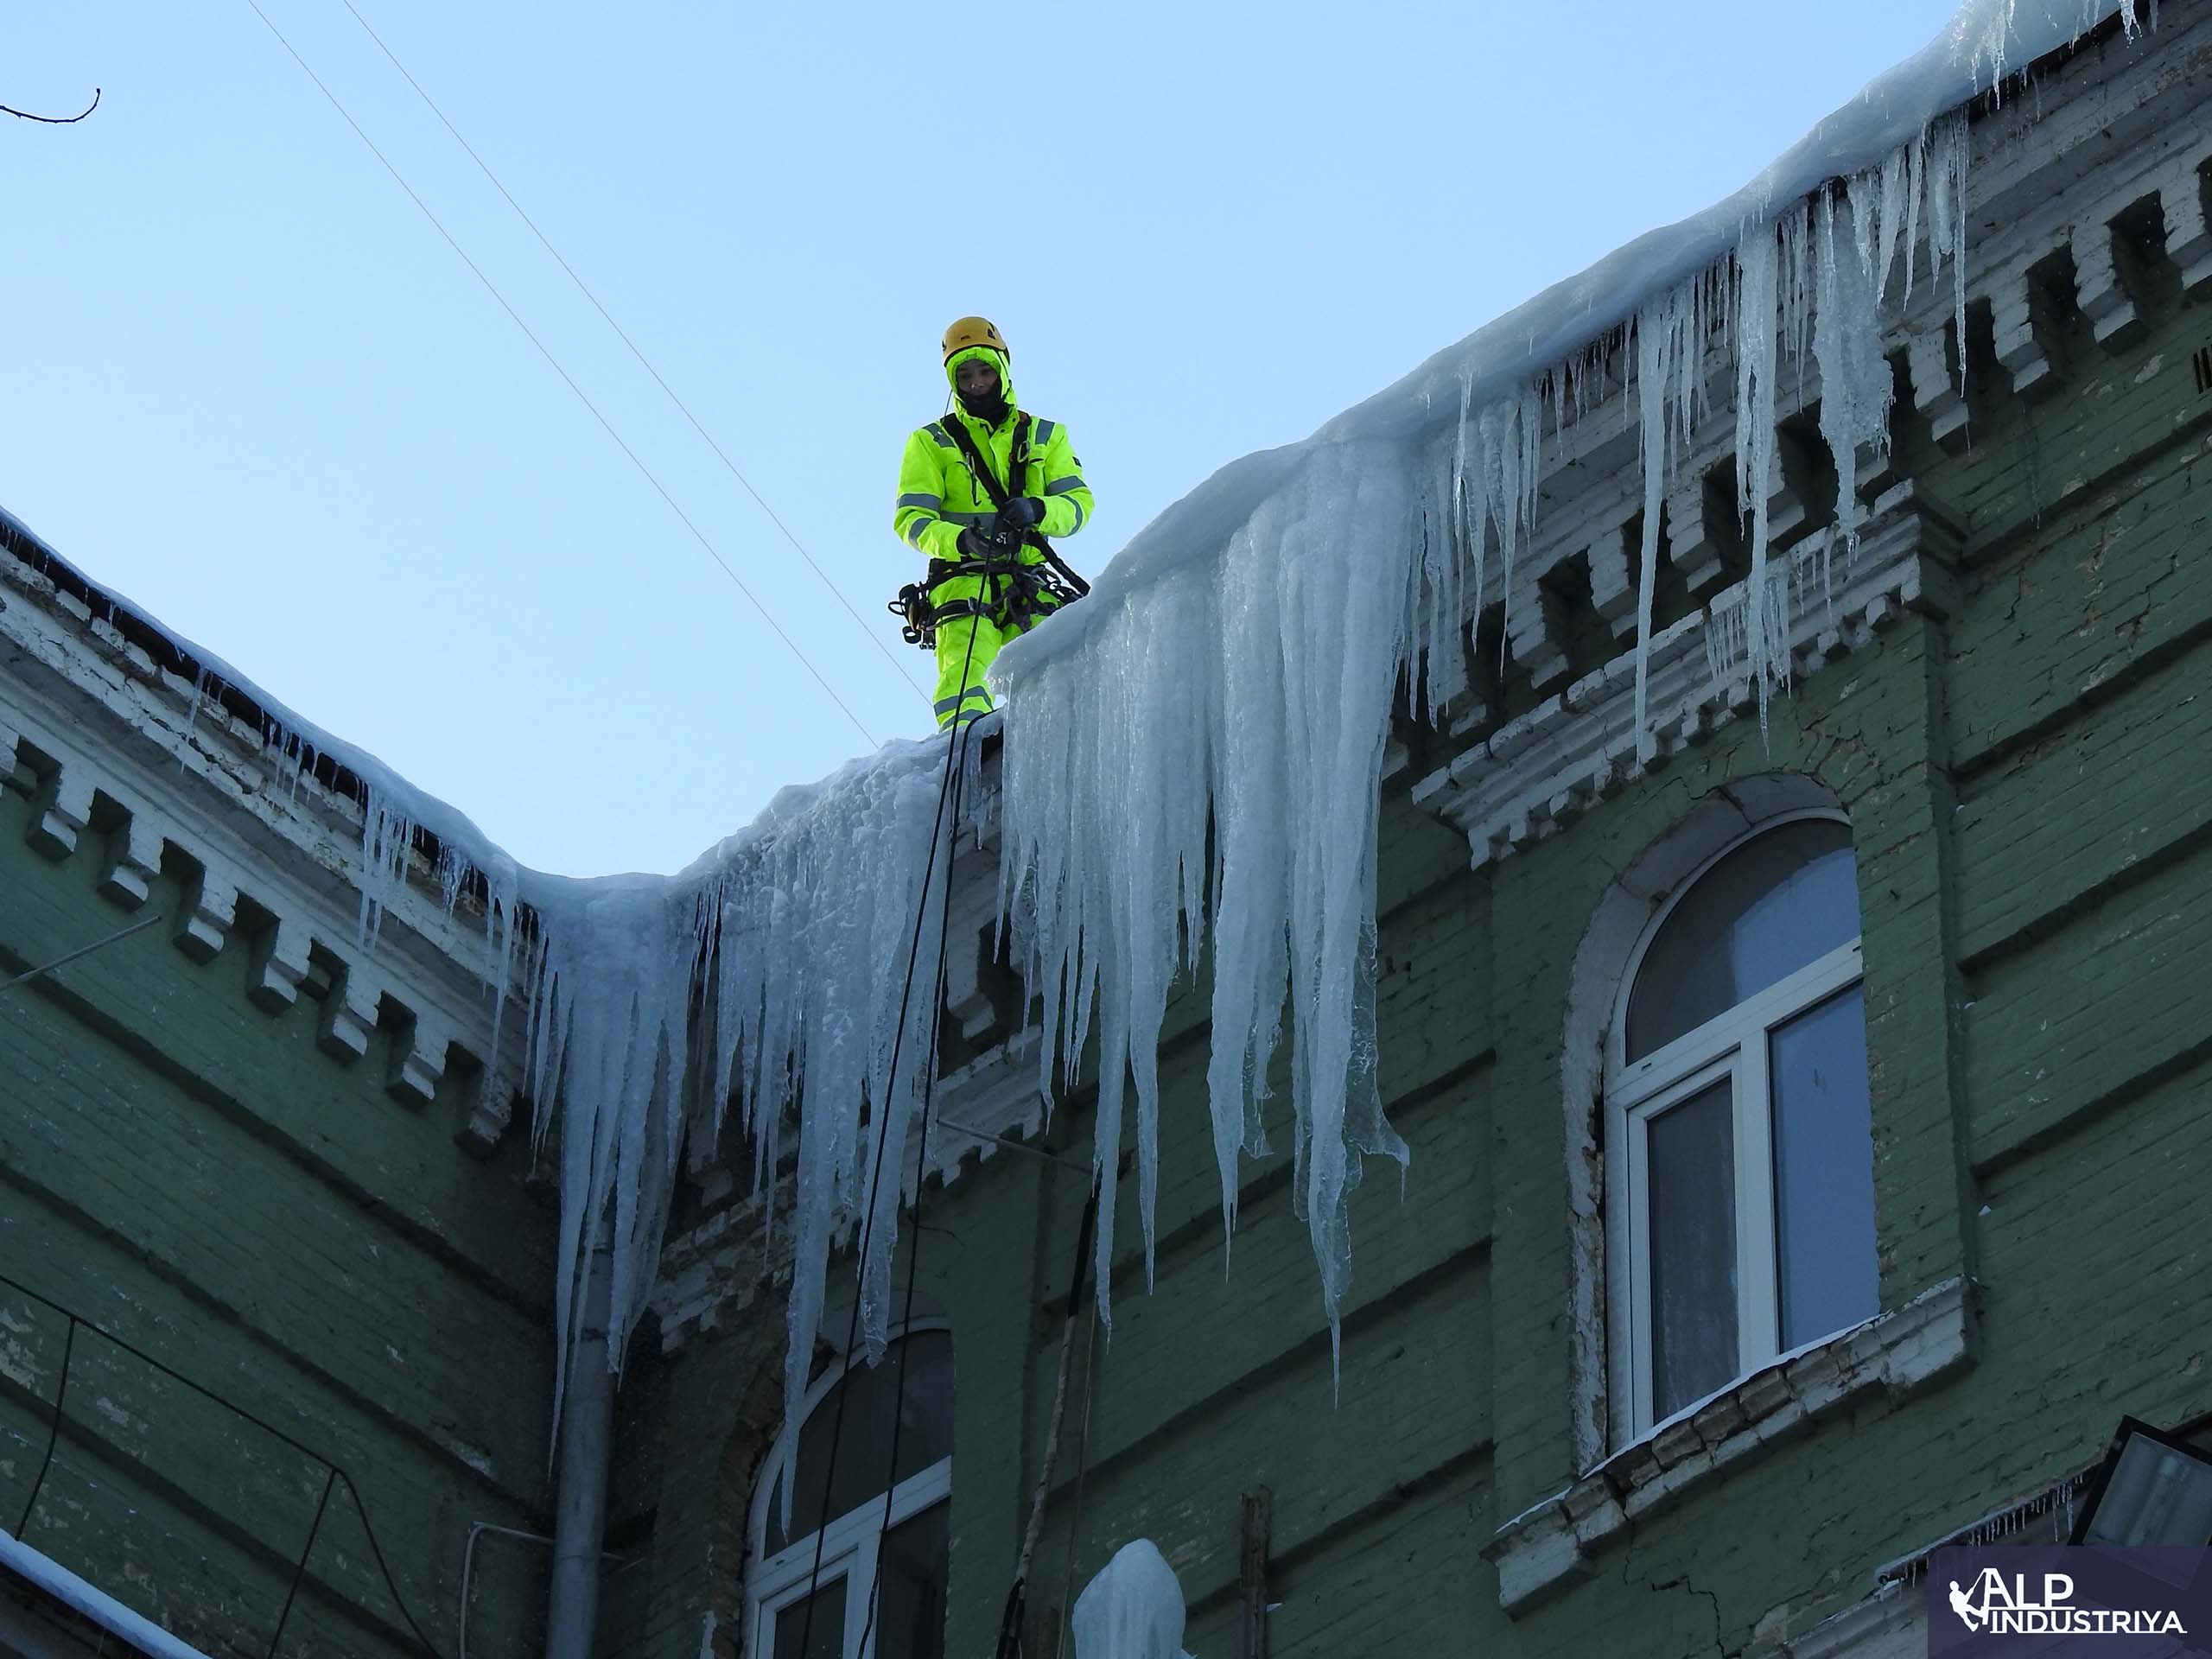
point(1758, 261)
point(1881, 219)
point(1950, 147)
point(1662, 354)
point(387, 836)
point(1797, 285)
point(1221, 707)
point(1855, 380)
point(1915, 183)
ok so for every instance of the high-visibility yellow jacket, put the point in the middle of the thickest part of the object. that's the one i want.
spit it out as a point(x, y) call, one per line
point(939, 496)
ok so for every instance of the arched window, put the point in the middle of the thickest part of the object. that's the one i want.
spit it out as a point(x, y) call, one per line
point(902, 1570)
point(1740, 1144)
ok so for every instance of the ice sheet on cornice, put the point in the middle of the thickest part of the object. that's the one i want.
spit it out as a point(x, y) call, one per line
point(285, 729)
point(1985, 42)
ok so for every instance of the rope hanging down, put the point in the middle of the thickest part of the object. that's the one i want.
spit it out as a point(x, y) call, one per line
point(1017, 1600)
point(943, 832)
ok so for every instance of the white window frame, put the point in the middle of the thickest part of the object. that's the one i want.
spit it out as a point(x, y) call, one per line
point(850, 1542)
point(1733, 1044)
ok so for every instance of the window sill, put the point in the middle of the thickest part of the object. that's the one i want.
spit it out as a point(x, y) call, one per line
point(1546, 1549)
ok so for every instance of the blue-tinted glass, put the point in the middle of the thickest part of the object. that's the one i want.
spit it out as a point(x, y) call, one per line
point(1773, 905)
point(1823, 1170)
point(1690, 1192)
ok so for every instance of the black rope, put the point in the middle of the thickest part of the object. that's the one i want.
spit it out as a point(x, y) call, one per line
point(945, 830)
point(1017, 1599)
point(301, 1571)
point(54, 1434)
point(338, 1470)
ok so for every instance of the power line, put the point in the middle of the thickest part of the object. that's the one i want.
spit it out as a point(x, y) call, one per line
point(490, 288)
point(874, 634)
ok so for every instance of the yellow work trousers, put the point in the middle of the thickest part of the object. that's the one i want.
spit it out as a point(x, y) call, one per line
point(966, 645)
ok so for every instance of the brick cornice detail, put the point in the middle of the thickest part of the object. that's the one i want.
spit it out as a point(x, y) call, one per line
point(1550, 1546)
point(1539, 770)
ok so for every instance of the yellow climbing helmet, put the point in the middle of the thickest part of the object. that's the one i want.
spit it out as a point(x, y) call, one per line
point(973, 331)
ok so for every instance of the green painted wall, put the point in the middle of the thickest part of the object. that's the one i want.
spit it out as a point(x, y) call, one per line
point(196, 1176)
point(2027, 762)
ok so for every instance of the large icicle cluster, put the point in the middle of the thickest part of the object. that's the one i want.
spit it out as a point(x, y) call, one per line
point(1250, 693)
point(1209, 764)
point(775, 966)
point(1199, 748)
point(1192, 756)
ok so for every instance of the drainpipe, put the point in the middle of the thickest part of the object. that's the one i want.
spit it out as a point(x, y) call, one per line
point(586, 1435)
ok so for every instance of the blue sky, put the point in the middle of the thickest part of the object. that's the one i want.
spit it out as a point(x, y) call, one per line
point(249, 385)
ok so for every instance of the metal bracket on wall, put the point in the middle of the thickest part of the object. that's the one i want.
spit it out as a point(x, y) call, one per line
point(29, 974)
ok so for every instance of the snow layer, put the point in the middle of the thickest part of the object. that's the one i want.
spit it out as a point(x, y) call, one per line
point(1195, 752)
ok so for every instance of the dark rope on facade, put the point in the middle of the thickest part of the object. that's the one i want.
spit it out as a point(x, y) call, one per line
point(944, 831)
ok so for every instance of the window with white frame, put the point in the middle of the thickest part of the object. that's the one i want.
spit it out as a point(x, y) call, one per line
point(1740, 1143)
point(878, 1592)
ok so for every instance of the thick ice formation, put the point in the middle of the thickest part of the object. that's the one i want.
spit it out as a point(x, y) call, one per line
point(1195, 752)
point(1133, 1609)
point(776, 967)
point(1209, 761)
point(1246, 690)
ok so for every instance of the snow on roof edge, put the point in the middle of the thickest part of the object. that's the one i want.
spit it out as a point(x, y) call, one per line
point(1985, 43)
point(447, 824)
point(2003, 37)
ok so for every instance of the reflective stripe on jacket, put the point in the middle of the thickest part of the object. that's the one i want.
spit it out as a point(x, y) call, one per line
point(939, 497)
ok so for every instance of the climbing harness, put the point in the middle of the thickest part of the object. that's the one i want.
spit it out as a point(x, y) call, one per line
point(1015, 594)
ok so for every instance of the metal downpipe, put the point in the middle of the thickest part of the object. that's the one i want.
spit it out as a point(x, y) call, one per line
point(586, 1435)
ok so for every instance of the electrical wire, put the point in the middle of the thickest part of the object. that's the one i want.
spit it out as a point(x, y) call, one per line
point(874, 635)
point(621, 443)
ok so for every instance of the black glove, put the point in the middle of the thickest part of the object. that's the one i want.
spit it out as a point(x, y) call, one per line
point(1023, 512)
point(976, 546)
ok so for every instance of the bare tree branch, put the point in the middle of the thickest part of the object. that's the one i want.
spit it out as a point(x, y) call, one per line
point(54, 120)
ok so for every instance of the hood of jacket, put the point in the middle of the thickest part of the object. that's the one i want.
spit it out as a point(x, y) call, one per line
point(989, 354)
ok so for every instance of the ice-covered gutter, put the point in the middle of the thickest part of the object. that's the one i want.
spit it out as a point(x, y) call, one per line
point(1234, 668)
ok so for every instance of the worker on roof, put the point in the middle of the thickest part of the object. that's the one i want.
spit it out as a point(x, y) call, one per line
point(978, 491)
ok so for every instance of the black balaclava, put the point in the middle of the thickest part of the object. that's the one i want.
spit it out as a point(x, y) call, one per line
point(993, 409)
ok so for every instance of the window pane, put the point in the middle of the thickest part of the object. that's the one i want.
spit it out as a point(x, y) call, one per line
point(1691, 1195)
point(873, 1407)
point(1763, 912)
point(1823, 1170)
point(915, 1565)
point(2155, 1495)
point(825, 1639)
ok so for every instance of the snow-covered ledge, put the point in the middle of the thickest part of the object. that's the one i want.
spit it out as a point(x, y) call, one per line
point(141, 767)
point(1548, 1547)
point(1578, 745)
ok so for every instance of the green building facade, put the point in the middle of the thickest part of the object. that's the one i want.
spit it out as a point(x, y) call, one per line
point(1806, 1095)
point(1998, 708)
point(275, 1283)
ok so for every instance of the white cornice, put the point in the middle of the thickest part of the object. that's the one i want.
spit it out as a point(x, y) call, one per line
point(133, 766)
